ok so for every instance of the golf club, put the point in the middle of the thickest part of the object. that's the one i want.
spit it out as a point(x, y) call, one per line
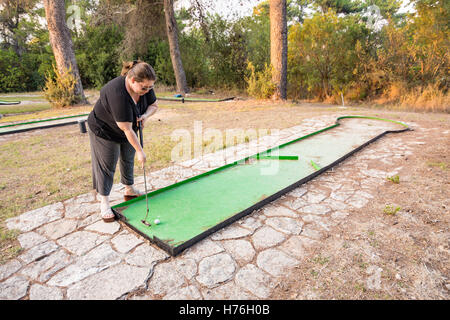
point(145, 177)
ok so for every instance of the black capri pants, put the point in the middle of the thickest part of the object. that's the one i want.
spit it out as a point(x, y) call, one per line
point(105, 154)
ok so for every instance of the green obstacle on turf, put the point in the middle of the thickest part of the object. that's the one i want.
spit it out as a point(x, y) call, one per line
point(192, 209)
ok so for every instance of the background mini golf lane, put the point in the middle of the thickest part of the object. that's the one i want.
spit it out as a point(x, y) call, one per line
point(5, 129)
point(190, 209)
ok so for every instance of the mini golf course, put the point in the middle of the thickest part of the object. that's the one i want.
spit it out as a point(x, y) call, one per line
point(192, 209)
point(7, 103)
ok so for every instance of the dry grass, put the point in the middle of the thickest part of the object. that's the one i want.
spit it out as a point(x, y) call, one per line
point(427, 99)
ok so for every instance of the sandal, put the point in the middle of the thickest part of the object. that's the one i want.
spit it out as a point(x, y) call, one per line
point(135, 194)
point(108, 216)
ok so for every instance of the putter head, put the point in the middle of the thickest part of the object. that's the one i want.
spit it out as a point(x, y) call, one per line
point(146, 223)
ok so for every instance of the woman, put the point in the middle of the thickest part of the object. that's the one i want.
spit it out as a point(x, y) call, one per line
point(125, 102)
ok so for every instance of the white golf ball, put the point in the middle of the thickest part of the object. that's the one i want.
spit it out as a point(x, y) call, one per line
point(157, 221)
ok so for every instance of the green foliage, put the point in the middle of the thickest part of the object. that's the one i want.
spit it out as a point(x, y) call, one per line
point(96, 54)
point(19, 73)
point(259, 83)
point(60, 89)
point(321, 54)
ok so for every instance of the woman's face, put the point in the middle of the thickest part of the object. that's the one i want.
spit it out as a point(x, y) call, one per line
point(142, 87)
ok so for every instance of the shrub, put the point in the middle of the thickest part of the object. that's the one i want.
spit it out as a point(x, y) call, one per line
point(260, 84)
point(60, 89)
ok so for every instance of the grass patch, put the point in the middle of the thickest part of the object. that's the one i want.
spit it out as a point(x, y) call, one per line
point(390, 210)
point(9, 248)
point(394, 179)
point(442, 165)
point(17, 108)
point(47, 113)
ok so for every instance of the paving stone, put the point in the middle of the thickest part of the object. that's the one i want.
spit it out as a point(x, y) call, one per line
point(315, 197)
point(311, 232)
point(339, 215)
point(38, 252)
point(81, 211)
point(30, 239)
point(94, 262)
point(279, 211)
point(41, 292)
point(109, 284)
point(298, 192)
point(275, 261)
point(240, 250)
point(164, 280)
point(297, 246)
point(216, 269)
point(341, 195)
point(227, 291)
point(90, 220)
point(9, 268)
point(251, 222)
point(357, 201)
point(45, 268)
point(335, 204)
point(58, 229)
point(81, 199)
point(145, 256)
point(360, 193)
point(104, 227)
point(186, 293)
point(231, 232)
point(285, 225)
point(81, 242)
point(296, 203)
point(36, 218)
point(375, 173)
point(316, 209)
point(187, 267)
point(317, 221)
point(255, 281)
point(125, 242)
point(267, 237)
point(202, 249)
point(14, 288)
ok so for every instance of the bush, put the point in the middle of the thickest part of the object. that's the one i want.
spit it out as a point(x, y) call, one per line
point(60, 89)
point(259, 84)
point(97, 55)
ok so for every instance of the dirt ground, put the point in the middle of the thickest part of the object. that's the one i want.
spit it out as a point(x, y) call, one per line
point(375, 253)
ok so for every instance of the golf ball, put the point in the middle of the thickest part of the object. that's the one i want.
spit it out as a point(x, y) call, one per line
point(157, 221)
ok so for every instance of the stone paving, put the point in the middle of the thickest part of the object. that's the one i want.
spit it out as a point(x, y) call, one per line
point(70, 253)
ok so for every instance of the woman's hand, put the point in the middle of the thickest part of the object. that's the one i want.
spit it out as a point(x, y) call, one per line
point(141, 157)
point(150, 111)
point(133, 139)
point(142, 119)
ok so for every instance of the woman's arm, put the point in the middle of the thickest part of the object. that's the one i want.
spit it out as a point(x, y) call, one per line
point(150, 111)
point(127, 128)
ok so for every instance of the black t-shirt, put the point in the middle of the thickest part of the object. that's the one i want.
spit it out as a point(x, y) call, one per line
point(116, 105)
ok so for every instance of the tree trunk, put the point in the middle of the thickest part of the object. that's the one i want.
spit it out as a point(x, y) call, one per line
point(172, 35)
point(278, 46)
point(61, 42)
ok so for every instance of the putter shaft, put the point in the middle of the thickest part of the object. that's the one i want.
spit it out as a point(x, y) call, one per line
point(145, 176)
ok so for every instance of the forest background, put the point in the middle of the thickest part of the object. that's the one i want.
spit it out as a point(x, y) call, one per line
point(357, 50)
